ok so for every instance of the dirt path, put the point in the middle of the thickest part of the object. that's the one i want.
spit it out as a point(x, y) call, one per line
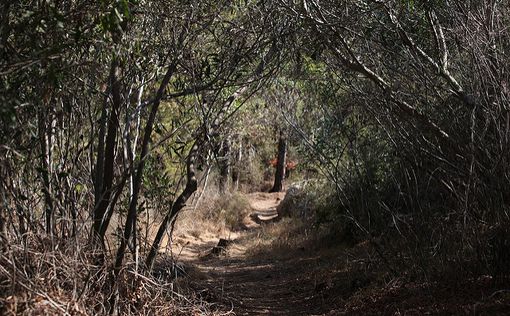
point(258, 286)
point(262, 287)
point(320, 281)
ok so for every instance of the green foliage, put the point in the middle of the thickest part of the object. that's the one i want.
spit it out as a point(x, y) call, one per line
point(402, 106)
point(117, 14)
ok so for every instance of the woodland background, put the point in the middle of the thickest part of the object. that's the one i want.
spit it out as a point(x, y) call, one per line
point(117, 115)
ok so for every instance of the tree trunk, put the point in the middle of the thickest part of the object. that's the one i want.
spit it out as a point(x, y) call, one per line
point(198, 198)
point(177, 206)
point(4, 209)
point(224, 166)
point(132, 212)
point(45, 167)
point(104, 181)
point(280, 164)
point(236, 170)
point(129, 156)
point(99, 166)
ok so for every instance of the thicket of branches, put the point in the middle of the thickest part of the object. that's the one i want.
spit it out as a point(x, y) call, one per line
point(112, 111)
point(409, 106)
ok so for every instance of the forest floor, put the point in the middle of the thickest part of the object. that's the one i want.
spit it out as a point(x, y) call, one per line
point(262, 271)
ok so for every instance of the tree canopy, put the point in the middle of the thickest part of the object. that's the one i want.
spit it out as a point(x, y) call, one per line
point(116, 109)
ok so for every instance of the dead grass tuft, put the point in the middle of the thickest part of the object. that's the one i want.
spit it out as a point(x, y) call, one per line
point(281, 239)
point(56, 277)
point(218, 214)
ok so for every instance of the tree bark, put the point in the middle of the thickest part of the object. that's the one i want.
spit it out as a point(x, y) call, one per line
point(132, 212)
point(129, 156)
point(45, 167)
point(105, 180)
point(280, 164)
point(224, 166)
point(4, 208)
point(177, 206)
point(236, 170)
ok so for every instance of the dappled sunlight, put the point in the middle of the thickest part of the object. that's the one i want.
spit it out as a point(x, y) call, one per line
point(214, 157)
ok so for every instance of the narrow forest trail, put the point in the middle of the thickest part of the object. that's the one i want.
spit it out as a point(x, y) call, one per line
point(309, 277)
point(258, 285)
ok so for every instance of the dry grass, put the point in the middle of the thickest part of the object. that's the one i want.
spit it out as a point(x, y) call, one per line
point(57, 278)
point(281, 239)
point(218, 214)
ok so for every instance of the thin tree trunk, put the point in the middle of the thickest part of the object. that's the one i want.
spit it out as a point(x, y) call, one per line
point(177, 206)
point(45, 143)
point(98, 172)
point(236, 170)
point(4, 209)
point(198, 198)
point(132, 212)
point(109, 156)
point(129, 150)
point(224, 166)
point(280, 164)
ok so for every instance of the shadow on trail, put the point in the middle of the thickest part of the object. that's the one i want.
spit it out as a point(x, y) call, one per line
point(310, 278)
point(273, 283)
point(264, 287)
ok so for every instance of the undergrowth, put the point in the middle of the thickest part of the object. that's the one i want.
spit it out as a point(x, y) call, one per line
point(54, 277)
